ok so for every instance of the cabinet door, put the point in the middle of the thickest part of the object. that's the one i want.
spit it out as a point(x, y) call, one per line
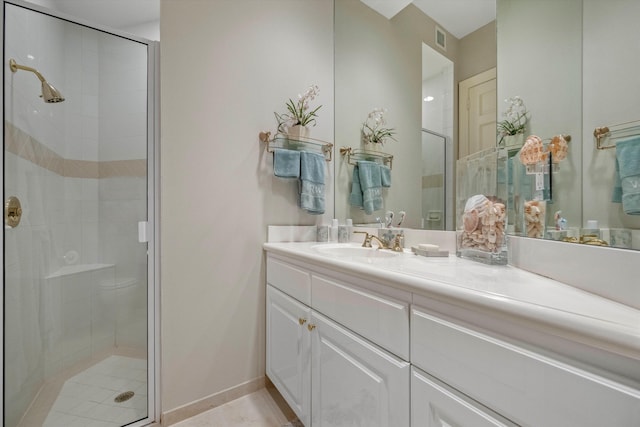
point(354, 382)
point(288, 351)
point(433, 404)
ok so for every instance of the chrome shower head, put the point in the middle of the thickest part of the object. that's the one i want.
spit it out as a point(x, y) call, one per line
point(49, 93)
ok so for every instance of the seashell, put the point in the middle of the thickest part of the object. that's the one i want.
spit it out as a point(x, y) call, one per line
point(492, 218)
point(470, 220)
point(558, 148)
point(492, 237)
point(532, 151)
point(475, 202)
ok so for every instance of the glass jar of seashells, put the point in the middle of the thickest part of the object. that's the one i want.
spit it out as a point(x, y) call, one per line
point(481, 207)
point(482, 236)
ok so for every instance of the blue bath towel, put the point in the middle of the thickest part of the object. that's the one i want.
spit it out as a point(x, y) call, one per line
point(355, 198)
point(286, 163)
point(312, 182)
point(385, 175)
point(628, 162)
point(371, 184)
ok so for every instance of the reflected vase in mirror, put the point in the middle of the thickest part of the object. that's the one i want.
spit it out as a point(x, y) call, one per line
point(512, 142)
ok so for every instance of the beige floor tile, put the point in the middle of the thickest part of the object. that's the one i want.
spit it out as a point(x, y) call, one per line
point(263, 408)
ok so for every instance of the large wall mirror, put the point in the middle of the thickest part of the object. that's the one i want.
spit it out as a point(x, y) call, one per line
point(576, 70)
point(409, 65)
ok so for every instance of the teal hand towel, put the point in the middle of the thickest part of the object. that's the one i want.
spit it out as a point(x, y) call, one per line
point(385, 176)
point(355, 198)
point(628, 159)
point(371, 184)
point(312, 182)
point(286, 163)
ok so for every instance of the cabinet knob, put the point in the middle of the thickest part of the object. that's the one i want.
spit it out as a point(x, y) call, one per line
point(302, 321)
point(311, 327)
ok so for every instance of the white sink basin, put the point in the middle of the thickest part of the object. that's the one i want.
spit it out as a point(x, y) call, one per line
point(351, 251)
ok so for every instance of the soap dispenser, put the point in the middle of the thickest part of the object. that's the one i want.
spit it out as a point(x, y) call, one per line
point(333, 231)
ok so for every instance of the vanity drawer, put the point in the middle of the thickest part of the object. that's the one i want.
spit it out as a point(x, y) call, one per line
point(290, 279)
point(524, 386)
point(379, 318)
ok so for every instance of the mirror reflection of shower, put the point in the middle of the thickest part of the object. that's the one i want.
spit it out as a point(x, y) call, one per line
point(437, 140)
point(50, 94)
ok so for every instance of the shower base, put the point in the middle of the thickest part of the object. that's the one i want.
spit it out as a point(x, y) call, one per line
point(92, 397)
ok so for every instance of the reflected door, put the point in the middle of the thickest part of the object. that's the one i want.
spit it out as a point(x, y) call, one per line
point(477, 104)
point(76, 271)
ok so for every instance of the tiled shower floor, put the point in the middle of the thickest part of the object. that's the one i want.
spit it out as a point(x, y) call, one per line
point(87, 398)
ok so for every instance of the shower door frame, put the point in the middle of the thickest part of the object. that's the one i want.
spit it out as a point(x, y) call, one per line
point(153, 203)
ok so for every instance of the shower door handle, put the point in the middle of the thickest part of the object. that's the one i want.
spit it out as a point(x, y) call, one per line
point(12, 212)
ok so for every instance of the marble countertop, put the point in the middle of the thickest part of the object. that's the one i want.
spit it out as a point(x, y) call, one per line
point(593, 319)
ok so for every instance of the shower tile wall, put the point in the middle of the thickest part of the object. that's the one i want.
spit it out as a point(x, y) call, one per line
point(79, 171)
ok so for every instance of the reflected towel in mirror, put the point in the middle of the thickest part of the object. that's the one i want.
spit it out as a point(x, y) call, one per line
point(312, 182)
point(367, 182)
point(628, 168)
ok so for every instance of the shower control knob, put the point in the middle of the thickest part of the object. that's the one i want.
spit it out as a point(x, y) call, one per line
point(12, 211)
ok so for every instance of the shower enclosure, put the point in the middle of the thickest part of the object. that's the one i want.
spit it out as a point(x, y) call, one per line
point(78, 257)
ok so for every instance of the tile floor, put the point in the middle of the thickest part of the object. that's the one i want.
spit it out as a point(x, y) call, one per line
point(86, 397)
point(263, 408)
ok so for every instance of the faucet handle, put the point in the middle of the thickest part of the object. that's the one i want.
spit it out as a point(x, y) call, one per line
point(397, 243)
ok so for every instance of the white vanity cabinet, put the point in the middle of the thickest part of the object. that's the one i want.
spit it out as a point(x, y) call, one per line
point(519, 382)
point(434, 404)
point(289, 350)
point(354, 382)
point(352, 345)
point(329, 374)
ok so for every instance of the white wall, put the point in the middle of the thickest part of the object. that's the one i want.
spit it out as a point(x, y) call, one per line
point(226, 67)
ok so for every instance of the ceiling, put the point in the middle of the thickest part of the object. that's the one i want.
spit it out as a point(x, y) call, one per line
point(111, 13)
point(458, 17)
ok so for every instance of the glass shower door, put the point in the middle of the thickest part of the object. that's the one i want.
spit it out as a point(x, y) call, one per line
point(76, 269)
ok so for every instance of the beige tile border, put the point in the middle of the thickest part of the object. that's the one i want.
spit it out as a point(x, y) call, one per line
point(21, 144)
point(191, 409)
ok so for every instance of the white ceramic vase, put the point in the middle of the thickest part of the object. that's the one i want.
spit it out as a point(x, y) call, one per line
point(298, 131)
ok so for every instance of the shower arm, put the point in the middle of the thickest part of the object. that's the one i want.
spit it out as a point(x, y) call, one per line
point(15, 67)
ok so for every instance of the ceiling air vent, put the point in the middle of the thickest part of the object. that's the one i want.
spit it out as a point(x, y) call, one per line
point(441, 38)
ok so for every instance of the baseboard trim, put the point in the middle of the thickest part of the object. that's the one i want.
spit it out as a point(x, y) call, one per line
point(191, 409)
